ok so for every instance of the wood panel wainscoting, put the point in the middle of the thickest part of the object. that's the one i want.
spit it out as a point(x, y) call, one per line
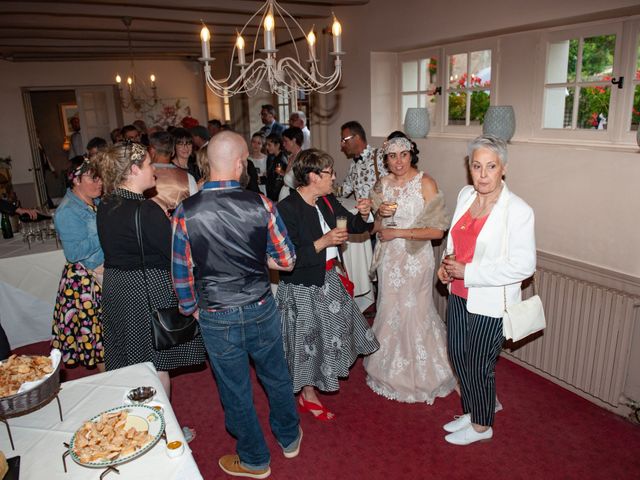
point(591, 316)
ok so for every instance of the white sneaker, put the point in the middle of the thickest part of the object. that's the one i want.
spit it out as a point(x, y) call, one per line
point(459, 423)
point(468, 435)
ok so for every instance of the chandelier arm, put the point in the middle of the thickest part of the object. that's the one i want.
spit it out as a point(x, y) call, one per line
point(307, 81)
point(279, 9)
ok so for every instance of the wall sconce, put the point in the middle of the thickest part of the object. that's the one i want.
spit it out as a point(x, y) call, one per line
point(66, 145)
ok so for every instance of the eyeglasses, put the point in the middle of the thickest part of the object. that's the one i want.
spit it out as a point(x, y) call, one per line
point(328, 172)
point(346, 139)
point(92, 177)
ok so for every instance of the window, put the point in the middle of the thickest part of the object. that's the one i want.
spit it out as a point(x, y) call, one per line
point(590, 88)
point(227, 107)
point(284, 110)
point(468, 87)
point(578, 85)
point(419, 78)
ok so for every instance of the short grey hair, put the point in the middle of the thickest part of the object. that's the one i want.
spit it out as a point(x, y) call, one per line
point(300, 115)
point(490, 142)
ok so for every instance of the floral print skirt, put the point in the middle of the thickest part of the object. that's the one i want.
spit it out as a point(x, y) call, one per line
point(323, 332)
point(77, 330)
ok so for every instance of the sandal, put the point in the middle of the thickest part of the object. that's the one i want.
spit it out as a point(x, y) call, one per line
point(307, 406)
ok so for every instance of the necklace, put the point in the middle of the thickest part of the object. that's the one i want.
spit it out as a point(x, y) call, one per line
point(470, 218)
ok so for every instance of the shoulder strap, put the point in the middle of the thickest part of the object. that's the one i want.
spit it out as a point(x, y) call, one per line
point(346, 274)
point(141, 246)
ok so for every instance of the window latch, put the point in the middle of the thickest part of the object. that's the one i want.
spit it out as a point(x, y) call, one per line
point(618, 81)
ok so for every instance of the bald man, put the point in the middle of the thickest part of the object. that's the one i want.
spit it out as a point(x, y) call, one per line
point(232, 235)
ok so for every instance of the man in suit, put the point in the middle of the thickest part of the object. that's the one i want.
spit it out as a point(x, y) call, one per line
point(268, 117)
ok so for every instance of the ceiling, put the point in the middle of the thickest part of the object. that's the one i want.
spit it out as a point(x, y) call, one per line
point(33, 30)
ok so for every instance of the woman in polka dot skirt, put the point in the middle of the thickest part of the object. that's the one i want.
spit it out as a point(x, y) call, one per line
point(127, 172)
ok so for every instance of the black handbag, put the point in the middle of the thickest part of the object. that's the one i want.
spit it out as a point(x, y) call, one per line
point(168, 326)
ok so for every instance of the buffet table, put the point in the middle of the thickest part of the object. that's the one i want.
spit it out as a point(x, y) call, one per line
point(29, 281)
point(39, 436)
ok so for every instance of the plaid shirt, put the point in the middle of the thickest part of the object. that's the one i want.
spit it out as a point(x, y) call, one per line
point(279, 248)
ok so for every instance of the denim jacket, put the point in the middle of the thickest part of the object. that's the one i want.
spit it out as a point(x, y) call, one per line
point(76, 226)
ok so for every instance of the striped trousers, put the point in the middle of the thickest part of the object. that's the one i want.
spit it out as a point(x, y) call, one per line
point(474, 343)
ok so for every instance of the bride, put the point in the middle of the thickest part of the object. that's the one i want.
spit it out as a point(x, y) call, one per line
point(411, 364)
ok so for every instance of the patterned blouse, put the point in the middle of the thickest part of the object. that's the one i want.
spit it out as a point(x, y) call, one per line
point(362, 174)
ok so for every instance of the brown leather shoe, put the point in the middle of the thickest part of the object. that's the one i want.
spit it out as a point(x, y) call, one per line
point(230, 464)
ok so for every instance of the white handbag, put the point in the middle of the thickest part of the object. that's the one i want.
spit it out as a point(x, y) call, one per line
point(524, 318)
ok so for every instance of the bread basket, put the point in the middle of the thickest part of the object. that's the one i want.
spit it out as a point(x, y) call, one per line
point(33, 399)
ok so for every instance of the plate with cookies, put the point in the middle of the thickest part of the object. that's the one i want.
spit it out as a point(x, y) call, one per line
point(116, 436)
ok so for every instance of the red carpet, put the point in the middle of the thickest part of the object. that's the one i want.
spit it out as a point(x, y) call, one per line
point(544, 432)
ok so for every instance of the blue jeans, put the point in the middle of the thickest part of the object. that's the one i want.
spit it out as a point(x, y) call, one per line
point(231, 337)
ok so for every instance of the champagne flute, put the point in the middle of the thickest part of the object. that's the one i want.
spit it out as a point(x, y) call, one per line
point(392, 203)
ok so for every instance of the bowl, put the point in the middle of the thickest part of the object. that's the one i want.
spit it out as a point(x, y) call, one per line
point(141, 395)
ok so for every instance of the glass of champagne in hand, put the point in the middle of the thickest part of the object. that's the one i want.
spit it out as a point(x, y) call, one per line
point(391, 204)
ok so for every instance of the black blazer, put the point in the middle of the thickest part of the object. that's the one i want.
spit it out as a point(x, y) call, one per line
point(303, 227)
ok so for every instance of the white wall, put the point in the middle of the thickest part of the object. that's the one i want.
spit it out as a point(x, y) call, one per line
point(174, 79)
point(585, 199)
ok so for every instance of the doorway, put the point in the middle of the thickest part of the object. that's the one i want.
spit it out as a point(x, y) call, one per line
point(49, 114)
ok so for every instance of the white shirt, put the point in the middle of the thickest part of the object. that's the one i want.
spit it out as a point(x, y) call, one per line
point(306, 138)
point(332, 252)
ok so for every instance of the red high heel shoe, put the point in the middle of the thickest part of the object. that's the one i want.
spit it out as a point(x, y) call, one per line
point(307, 406)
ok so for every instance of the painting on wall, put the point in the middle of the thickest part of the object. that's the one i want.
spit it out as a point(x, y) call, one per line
point(67, 112)
point(168, 112)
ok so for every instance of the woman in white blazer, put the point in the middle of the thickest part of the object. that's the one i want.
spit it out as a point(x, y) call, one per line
point(490, 250)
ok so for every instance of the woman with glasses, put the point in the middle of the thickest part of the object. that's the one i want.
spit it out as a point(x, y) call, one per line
point(322, 328)
point(184, 156)
point(127, 172)
point(77, 328)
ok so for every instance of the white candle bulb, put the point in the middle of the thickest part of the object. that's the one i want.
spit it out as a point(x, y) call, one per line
point(153, 78)
point(311, 38)
point(205, 36)
point(118, 79)
point(240, 47)
point(336, 30)
point(269, 36)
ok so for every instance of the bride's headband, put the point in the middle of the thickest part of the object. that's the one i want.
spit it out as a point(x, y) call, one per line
point(402, 143)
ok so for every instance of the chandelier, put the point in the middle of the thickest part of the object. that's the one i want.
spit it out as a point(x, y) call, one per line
point(138, 96)
point(282, 75)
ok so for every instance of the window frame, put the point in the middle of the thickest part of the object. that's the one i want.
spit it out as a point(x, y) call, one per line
point(620, 103)
point(417, 56)
point(491, 44)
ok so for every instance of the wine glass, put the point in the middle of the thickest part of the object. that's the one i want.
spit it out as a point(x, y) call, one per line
point(392, 203)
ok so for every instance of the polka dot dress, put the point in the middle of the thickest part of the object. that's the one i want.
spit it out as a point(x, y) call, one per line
point(127, 321)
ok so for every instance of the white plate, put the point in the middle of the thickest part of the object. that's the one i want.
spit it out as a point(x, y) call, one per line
point(142, 418)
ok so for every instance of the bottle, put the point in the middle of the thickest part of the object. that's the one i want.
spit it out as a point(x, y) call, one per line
point(7, 231)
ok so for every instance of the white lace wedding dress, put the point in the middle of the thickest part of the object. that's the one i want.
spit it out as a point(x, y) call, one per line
point(411, 364)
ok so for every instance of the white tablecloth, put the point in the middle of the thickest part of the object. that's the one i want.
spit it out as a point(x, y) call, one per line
point(357, 255)
point(28, 286)
point(38, 436)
